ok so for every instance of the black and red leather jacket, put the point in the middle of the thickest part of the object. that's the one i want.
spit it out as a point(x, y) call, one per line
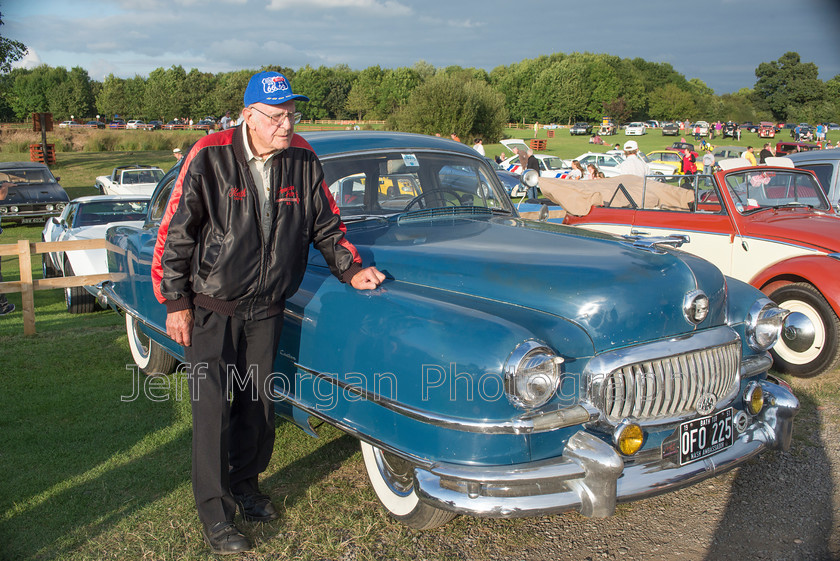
point(211, 251)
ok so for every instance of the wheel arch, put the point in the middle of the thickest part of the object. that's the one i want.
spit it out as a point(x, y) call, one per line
point(819, 271)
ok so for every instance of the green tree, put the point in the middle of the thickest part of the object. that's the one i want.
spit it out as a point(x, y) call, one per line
point(670, 103)
point(786, 85)
point(364, 93)
point(396, 87)
point(111, 100)
point(10, 51)
point(447, 104)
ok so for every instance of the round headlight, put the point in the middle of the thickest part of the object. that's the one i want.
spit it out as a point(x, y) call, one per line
point(754, 398)
point(532, 374)
point(60, 206)
point(696, 306)
point(50, 207)
point(764, 324)
point(13, 209)
point(628, 438)
point(3, 210)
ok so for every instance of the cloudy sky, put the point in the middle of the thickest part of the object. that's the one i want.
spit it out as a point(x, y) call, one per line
point(721, 42)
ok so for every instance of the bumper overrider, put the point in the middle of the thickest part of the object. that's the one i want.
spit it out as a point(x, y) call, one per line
point(592, 476)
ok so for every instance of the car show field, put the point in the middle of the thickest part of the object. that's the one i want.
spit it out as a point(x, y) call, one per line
point(132, 464)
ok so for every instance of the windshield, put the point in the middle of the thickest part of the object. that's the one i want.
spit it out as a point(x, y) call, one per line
point(756, 190)
point(142, 176)
point(104, 212)
point(387, 183)
point(27, 176)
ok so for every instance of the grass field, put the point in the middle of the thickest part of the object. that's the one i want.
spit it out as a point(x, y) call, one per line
point(90, 474)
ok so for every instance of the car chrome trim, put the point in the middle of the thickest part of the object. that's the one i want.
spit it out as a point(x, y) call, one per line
point(539, 420)
point(660, 382)
point(591, 476)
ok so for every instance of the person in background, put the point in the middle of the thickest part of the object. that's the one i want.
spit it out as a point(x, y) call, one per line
point(577, 171)
point(257, 189)
point(479, 146)
point(632, 164)
point(528, 161)
point(176, 152)
point(6, 307)
point(708, 161)
point(766, 152)
point(591, 172)
point(749, 154)
point(226, 122)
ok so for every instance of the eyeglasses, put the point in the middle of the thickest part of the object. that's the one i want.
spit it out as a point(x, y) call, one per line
point(279, 118)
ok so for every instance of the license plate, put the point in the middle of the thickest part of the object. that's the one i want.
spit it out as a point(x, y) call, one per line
point(36, 220)
point(703, 437)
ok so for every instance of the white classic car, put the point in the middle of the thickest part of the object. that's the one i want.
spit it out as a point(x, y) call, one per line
point(130, 180)
point(635, 129)
point(86, 218)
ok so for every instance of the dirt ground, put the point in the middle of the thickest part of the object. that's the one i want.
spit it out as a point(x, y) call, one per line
point(779, 506)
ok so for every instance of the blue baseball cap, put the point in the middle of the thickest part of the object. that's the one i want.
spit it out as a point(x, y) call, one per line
point(271, 88)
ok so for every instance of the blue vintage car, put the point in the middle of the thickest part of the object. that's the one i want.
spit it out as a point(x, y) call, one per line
point(506, 367)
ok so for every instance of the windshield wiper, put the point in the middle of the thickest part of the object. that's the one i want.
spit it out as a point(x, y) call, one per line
point(365, 218)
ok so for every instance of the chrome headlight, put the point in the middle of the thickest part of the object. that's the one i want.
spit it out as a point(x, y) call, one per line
point(696, 306)
point(532, 374)
point(13, 209)
point(60, 206)
point(50, 207)
point(764, 324)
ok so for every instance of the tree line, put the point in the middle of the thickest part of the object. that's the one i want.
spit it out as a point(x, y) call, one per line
point(557, 88)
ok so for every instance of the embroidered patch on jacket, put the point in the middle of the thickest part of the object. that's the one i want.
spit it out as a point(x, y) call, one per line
point(275, 84)
point(237, 194)
point(288, 195)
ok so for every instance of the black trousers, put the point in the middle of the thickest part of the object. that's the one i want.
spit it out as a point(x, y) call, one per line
point(230, 364)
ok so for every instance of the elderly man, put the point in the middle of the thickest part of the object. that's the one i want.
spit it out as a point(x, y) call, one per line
point(231, 248)
point(632, 164)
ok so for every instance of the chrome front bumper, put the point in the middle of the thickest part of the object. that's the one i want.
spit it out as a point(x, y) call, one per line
point(591, 476)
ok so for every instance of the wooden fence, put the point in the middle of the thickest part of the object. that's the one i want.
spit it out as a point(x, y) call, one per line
point(27, 285)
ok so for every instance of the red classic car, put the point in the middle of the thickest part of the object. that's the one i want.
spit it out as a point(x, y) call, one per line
point(766, 130)
point(769, 226)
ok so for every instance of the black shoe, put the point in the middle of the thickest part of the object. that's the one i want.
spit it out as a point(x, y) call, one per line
point(224, 539)
point(256, 507)
point(6, 307)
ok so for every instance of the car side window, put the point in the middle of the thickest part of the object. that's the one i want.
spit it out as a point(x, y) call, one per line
point(157, 206)
point(823, 172)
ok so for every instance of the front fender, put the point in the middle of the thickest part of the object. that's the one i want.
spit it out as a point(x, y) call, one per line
point(821, 271)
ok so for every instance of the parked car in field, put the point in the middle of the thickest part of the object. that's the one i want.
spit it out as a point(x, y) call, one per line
point(129, 180)
point(826, 165)
point(580, 128)
point(727, 152)
point(768, 225)
point(700, 128)
point(36, 195)
point(116, 124)
point(95, 124)
point(749, 126)
point(731, 130)
point(671, 158)
point(155, 125)
point(550, 166)
point(652, 124)
point(86, 218)
point(68, 124)
point(670, 129)
point(635, 129)
point(505, 367)
point(766, 130)
point(785, 148)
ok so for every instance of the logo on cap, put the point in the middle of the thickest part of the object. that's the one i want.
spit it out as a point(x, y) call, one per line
point(273, 84)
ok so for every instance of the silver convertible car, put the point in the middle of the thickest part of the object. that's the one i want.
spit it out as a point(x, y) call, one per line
point(506, 367)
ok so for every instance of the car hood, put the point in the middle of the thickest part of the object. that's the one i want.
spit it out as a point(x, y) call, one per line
point(618, 294)
point(45, 192)
point(798, 226)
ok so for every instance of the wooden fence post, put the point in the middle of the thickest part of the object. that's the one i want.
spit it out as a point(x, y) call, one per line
point(27, 293)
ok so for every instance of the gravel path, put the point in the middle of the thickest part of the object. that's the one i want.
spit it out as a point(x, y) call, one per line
point(779, 506)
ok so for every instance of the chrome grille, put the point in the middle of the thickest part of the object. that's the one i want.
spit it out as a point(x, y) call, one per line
point(670, 386)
